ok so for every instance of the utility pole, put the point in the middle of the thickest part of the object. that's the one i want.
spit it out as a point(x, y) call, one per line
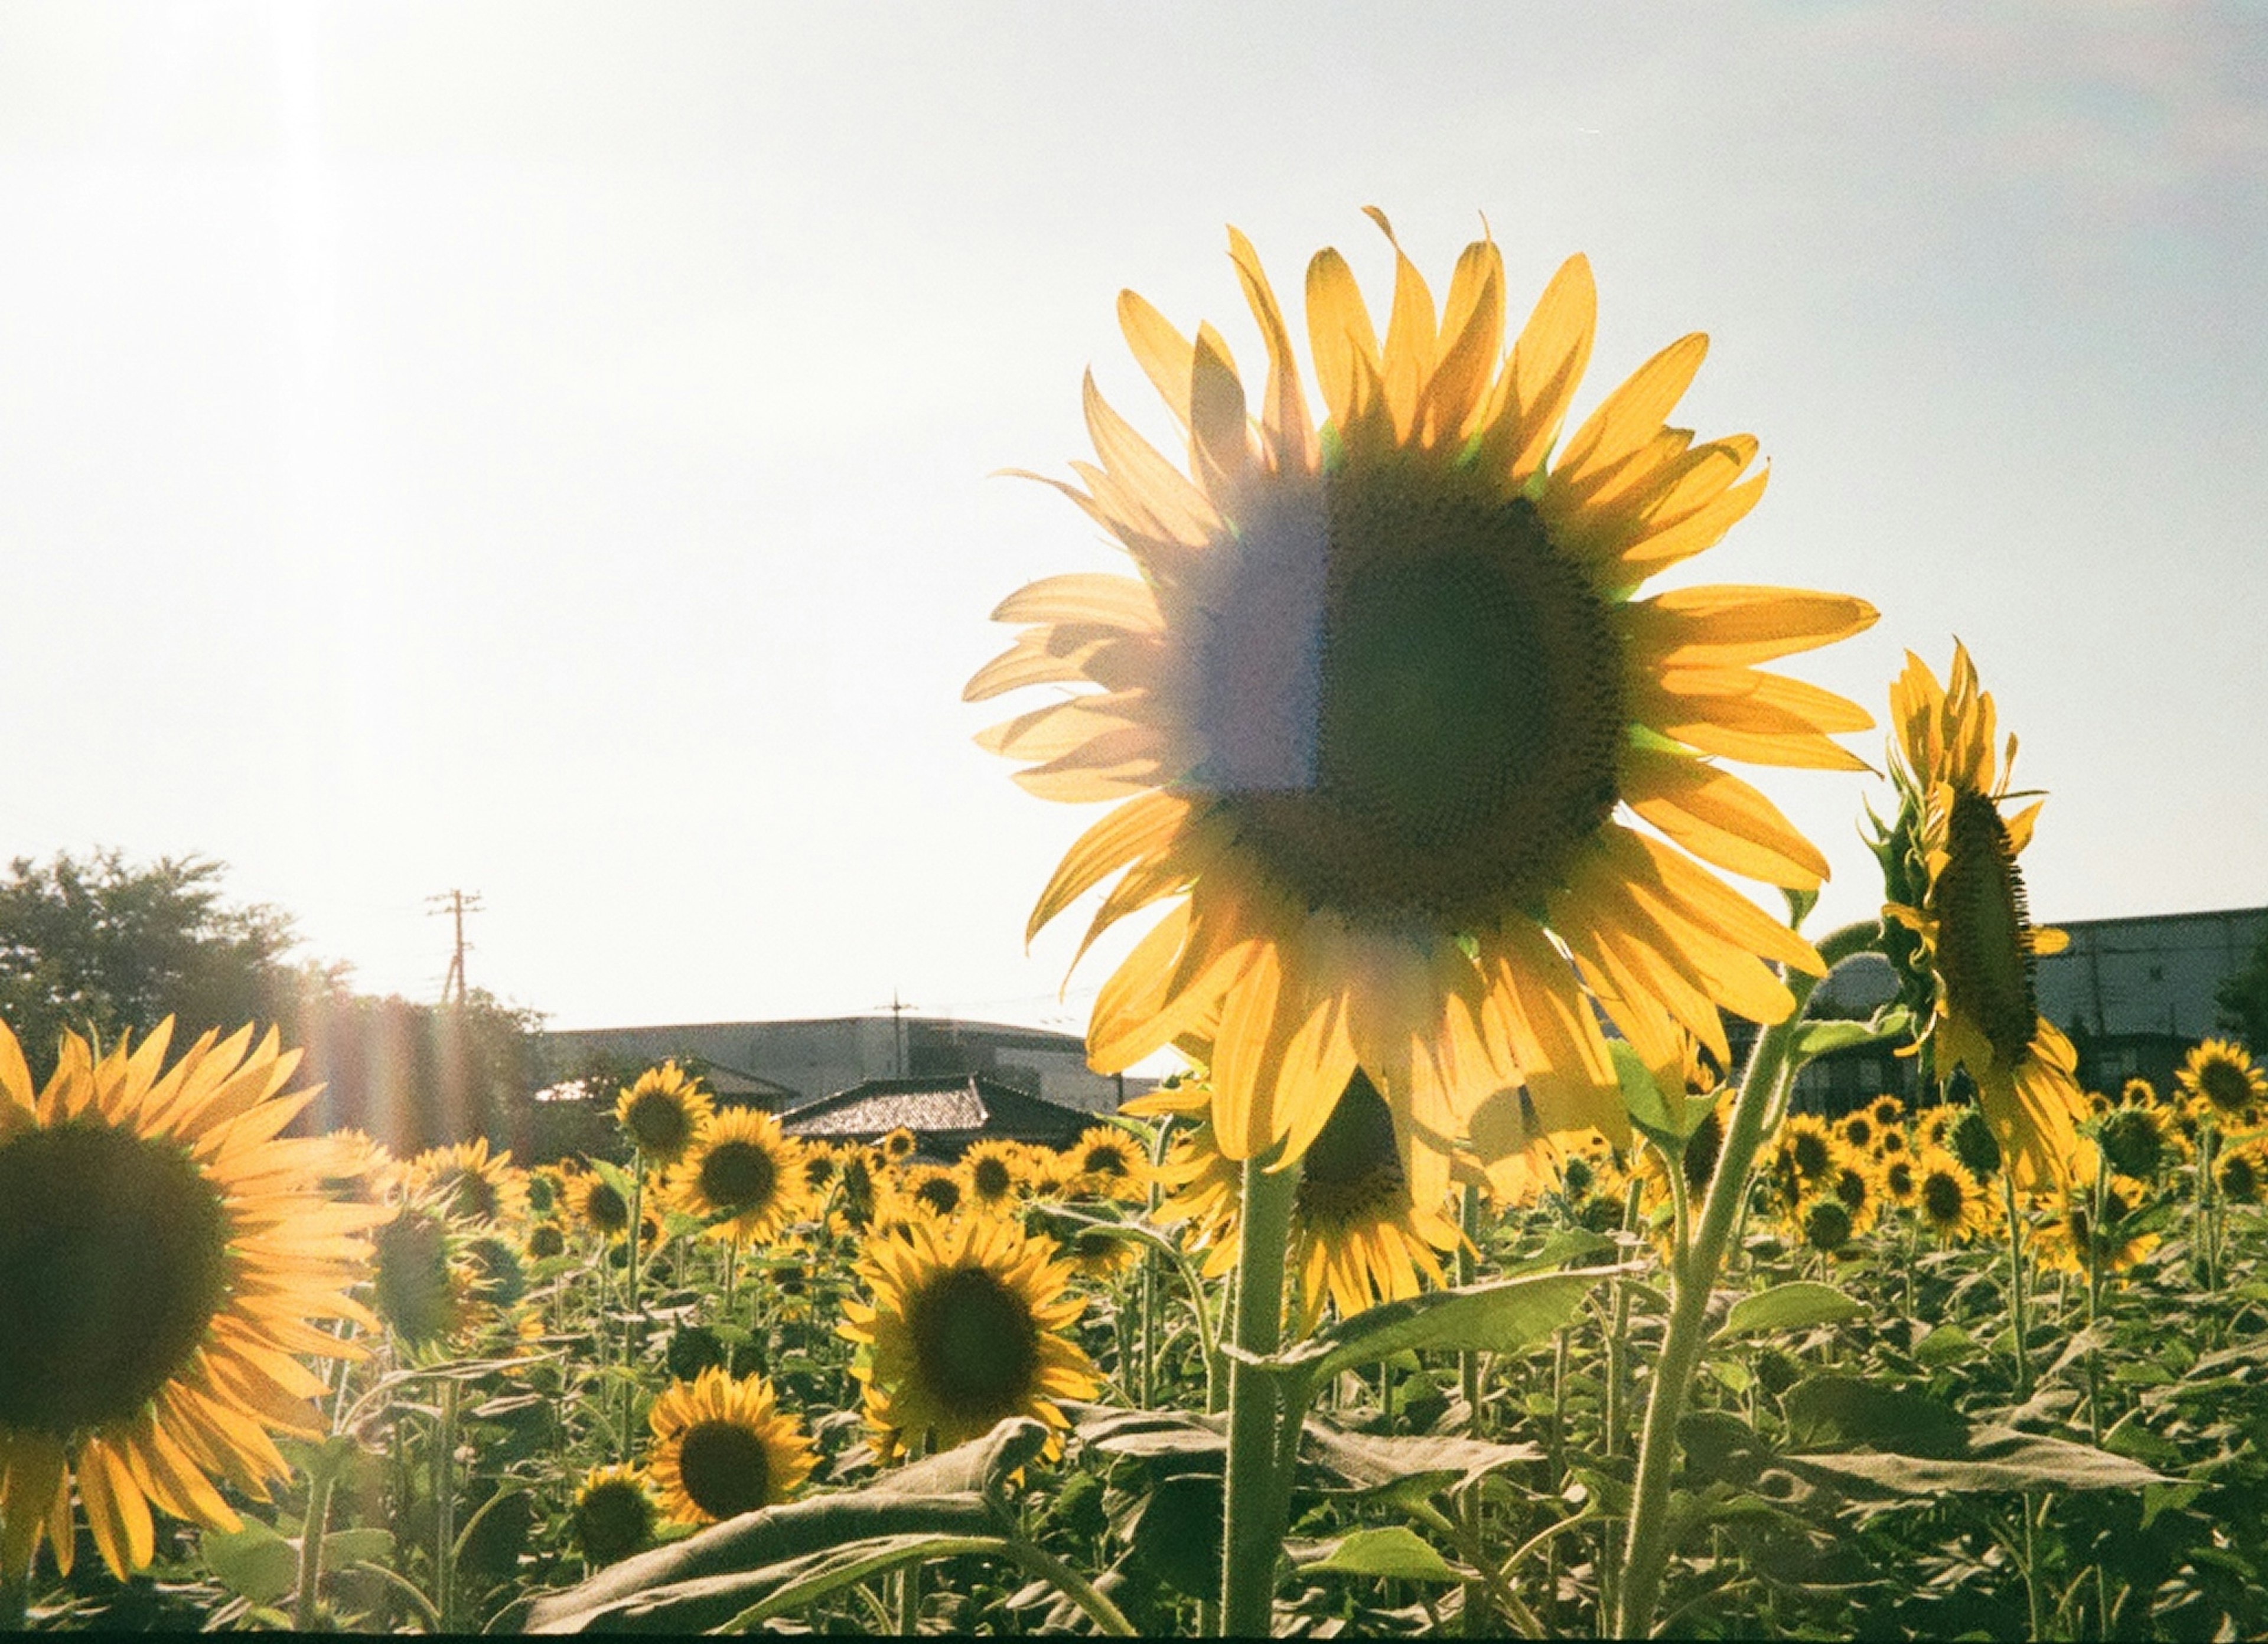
point(456, 903)
point(898, 1007)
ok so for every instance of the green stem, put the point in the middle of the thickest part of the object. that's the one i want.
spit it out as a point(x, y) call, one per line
point(445, 1509)
point(1469, 1361)
point(2017, 1321)
point(1252, 1529)
point(1647, 1549)
point(311, 1547)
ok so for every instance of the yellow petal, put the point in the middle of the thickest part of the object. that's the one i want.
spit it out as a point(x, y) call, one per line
point(1291, 431)
point(1719, 818)
point(1164, 354)
point(1633, 413)
point(1341, 341)
point(1084, 597)
point(1728, 625)
point(1135, 829)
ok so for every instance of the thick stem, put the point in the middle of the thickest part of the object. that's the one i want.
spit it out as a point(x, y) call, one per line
point(1469, 1361)
point(1252, 1529)
point(445, 1510)
point(1762, 1089)
point(2017, 1321)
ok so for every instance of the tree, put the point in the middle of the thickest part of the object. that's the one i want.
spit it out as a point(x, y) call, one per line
point(2244, 1001)
point(99, 946)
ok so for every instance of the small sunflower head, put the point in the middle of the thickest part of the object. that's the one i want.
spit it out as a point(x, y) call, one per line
point(1888, 1111)
point(723, 1447)
point(2240, 1177)
point(743, 1175)
point(613, 1513)
point(545, 1240)
point(600, 1205)
point(2138, 1092)
point(1901, 1178)
point(2135, 1139)
point(664, 1114)
point(1110, 1164)
point(1971, 1141)
point(899, 1146)
point(1823, 1223)
point(2223, 1083)
point(1948, 1198)
point(935, 1190)
point(1859, 1131)
point(422, 1282)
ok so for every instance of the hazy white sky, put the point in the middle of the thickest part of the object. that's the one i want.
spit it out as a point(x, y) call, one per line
point(543, 449)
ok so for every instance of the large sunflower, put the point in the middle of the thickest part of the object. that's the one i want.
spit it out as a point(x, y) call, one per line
point(162, 1259)
point(662, 1112)
point(743, 1174)
point(965, 1327)
point(2224, 1084)
point(1381, 694)
point(1960, 928)
point(723, 1447)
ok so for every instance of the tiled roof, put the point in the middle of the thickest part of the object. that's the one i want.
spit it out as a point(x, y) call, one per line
point(965, 1106)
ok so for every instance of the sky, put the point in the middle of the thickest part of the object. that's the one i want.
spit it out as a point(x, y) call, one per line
point(551, 450)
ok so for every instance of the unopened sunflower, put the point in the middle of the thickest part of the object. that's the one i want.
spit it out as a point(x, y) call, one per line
point(723, 1447)
point(2223, 1083)
point(163, 1260)
point(662, 1112)
point(1958, 926)
point(743, 1176)
point(965, 1326)
point(1378, 698)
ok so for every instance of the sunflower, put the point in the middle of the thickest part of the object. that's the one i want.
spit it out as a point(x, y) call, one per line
point(1823, 1222)
point(1958, 926)
point(1970, 1139)
point(937, 1191)
point(1900, 1179)
point(613, 1513)
point(858, 1189)
point(545, 1240)
point(476, 1186)
point(967, 1326)
point(1891, 1141)
point(2137, 1140)
point(2223, 1083)
point(898, 1145)
point(546, 1189)
point(424, 1281)
point(1856, 1183)
point(2238, 1176)
point(662, 1112)
point(163, 1257)
point(359, 1168)
point(820, 1164)
point(1948, 1199)
point(2137, 1092)
point(994, 1172)
point(1110, 1165)
point(1377, 694)
point(1888, 1111)
point(1804, 1154)
point(722, 1446)
point(1861, 1131)
point(599, 1204)
point(2071, 1228)
point(743, 1174)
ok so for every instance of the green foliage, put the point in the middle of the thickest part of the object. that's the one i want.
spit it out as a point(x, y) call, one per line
point(2244, 1001)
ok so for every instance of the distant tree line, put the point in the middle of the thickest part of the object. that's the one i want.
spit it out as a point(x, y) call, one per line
point(100, 946)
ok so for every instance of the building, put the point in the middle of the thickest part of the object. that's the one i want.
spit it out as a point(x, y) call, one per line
point(2133, 993)
point(946, 1115)
point(784, 1065)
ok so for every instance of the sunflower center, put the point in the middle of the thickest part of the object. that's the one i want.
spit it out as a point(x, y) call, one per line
point(738, 1176)
point(1897, 1178)
point(991, 1177)
point(114, 1259)
point(1811, 1154)
point(2225, 1086)
point(1467, 707)
point(976, 1350)
point(1943, 1200)
point(606, 1209)
point(1983, 940)
point(1353, 1170)
point(725, 1468)
point(659, 1123)
point(940, 1193)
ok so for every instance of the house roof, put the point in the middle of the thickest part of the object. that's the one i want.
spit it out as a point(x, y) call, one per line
point(950, 1107)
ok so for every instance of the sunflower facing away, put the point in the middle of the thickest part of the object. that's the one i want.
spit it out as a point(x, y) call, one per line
point(1960, 927)
point(162, 1259)
point(723, 1447)
point(743, 1174)
point(965, 1327)
point(1381, 693)
point(662, 1112)
point(613, 1515)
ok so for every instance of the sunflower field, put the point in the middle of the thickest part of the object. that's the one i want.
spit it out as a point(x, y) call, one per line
point(1473, 1278)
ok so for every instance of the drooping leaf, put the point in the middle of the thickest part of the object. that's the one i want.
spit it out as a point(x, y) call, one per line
point(1844, 1412)
point(1504, 1317)
point(1997, 1458)
point(1370, 1463)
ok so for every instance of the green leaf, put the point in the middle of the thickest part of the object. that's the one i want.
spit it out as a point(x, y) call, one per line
point(1407, 1468)
point(1796, 1306)
point(1667, 1120)
point(1500, 1317)
point(1944, 1345)
point(1565, 1245)
point(253, 1561)
point(1996, 1458)
point(1397, 1553)
point(343, 1547)
point(1816, 1038)
point(1843, 1412)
